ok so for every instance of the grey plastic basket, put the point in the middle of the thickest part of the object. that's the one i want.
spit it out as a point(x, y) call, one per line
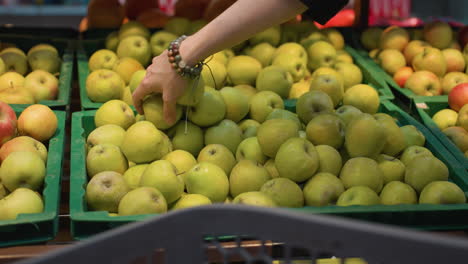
point(185, 236)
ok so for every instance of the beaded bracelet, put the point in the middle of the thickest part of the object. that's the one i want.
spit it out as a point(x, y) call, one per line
point(178, 64)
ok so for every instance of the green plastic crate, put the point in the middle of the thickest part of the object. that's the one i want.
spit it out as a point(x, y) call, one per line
point(65, 48)
point(34, 228)
point(426, 110)
point(85, 223)
point(41, 32)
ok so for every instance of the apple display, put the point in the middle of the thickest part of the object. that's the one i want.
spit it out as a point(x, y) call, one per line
point(102, 59)
point(402, 75)
point(458, 96)
point(247, 176)
point(438, 33)
point(454, 60)
point(191, 200)
point(326, 129)
point(136, 47)
point(104, 85)
point(126, 67)
point(394, 37)
point(219, 155)
point(312, 104)
point(370, 38)
point(105, 157)
point(323, 189)
point(15, 60)
point(42, 85)
point(273, 133)
point(38, 122)
point(142, 200)
point(210, 110)
point(23, 143)
point(284, 192)
point(23, 169)
point(413, 137)
point(132, 176)
point(115, 112)
point(153, 109)
point(20, 201)
point(423, 170)
point(430, 59)
point(237, 104)
point(243, 70)
point(358, 195)
point(397, 192)
point(424, 83)
point(254, 199)
point(162, 175)
point(445, 118)
point(187, 136)
point(391, 60)
point(263, 103)
point(209, 180)
point(144, 143)
point(297, 159)
point(320, 53)
point(452, 79)
point(105, 190)
point(364, 137)
point(362, 96)
point(8, 123)
point(442, 192)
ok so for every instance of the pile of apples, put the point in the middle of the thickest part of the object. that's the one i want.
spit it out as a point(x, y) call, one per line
point(427, 61)
point(29, 78)
point(454, 121)
point(23, 157)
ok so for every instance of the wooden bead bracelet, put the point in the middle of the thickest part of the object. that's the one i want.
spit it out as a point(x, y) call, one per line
point(179, 65)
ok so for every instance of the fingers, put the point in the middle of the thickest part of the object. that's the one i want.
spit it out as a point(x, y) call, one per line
point(137, 97)
point(170, 112)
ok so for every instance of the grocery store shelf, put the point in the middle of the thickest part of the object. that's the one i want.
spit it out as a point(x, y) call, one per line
point(49, 10)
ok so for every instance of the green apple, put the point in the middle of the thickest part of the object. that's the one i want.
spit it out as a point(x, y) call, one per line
point(243, 70)
point(442, 192)
point(364, 137)
point(329, 84)
point(3, 191)
point(247, 176)
point(105, 157)
point(445, 118)
point(297, 160)
point(11, 80)
point(162, 175)
point(413, 137)
point(370, 37)
point(223, 56)
point(132, 176)
point(363, 97)
point(42, 85)
point(329, 159)
point(391, 60)
point(284, 192)
point(314, 37)
point(112, 41)
point(247, 90)
point(430, 59)
point(263, 52)
point(160, 41)
point(320, 53)
point(358, 195)
point(396, 192)
point(395, 140)
point(106, 134)
point(249, 128)
point(335, 37)
point(105, 190)
point(423, 170)
point(42, 46)
point(214, 74)
point(133, 28)
point(142, 200)
point(424, 83)
point(210, 110)
point(237, 104)
point(459, 137)
point(20, 201)
point(273, 133)
point(392, 168)
point(294, 65)
point(351, 73)
point(454, 59)
point(326, 129)
point(271, 168)
point(413, 48)
point(144, 143)
point(394, 37)
point(2, 67)
point(127, 96)
point(412, 152)
point(136, 79)
point(136, 47)
point(219, 155)
point(452, 79)
point(226, 133)
point(438, 33)
point(300, 88)
point(250, 149)
point(125, 67)
point(362, 171)
point(102, 59)
point(115, 112)
point(312, 104)
point(22, 169)
point(271, 35)
point(153, 108)
point(14, 60)
point(104, 85)
point(187, 136)
point(343, 56)
point(462, 119)
point(323, 189)
point(191, 200)
point(347, 113)
point(293, 50)
point(177, 25)
point(209, 180)
point(182, 160)
point(263, 103)
point(276, 79)
point(284, 114)
point(254, 199)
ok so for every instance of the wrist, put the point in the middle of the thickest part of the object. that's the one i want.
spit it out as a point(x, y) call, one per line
point(190, 51)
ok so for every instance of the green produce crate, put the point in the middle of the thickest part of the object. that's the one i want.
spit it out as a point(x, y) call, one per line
point(41, 32)
point(34, 228)
point(426, 110)
point(85, 223)
point(65, 48)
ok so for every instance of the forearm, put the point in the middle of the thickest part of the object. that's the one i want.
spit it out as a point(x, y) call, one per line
point(239, 22)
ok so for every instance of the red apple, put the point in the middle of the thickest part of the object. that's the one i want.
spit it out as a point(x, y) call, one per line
point(458, 97)
point(7, 123)
point(463, 36)
point(402, 75)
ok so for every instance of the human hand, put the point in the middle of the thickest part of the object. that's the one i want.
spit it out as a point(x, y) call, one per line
point(162, 79)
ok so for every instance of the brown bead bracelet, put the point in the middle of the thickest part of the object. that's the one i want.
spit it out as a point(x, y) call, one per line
point(179, 65)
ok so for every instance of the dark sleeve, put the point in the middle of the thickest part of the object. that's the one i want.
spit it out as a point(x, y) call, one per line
point(323, 10)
